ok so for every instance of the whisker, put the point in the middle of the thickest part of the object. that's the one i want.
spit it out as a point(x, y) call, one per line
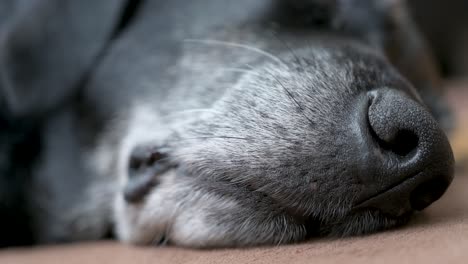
point(283, 225)
point(238, 45)
point(247, 71)
point(290, 95)
point(249, 66)
point(288, 47)
point(190, 111)
point(216, 137)
point(170, 226)
point(175, 141)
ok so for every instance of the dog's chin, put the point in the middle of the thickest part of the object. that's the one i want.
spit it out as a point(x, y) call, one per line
point(362, 222)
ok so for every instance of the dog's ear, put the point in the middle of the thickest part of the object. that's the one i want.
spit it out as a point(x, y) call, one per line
point(47, 46)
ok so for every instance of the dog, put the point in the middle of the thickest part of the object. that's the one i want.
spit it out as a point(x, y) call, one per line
point(215, 123)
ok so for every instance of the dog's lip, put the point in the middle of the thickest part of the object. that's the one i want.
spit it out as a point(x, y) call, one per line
point(390, 188)
point(406, 184)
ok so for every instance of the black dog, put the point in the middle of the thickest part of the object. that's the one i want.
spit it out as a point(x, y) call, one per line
point(216, 123)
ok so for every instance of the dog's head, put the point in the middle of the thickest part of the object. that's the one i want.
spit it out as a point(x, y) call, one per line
point(329, 139)
point(318, 137)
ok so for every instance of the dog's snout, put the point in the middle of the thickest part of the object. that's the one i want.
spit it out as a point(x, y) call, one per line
point(409, 162)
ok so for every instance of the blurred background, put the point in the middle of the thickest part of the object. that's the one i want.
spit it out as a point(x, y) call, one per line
point(444, 25)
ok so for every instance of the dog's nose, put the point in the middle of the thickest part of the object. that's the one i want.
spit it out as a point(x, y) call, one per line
point(408, 161)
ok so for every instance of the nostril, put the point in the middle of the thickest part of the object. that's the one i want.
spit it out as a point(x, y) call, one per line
point(428, 192)
point(404, 143)
point(387, 133)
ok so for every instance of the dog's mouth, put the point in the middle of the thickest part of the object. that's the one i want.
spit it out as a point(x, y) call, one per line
point(395, 193)
point(411, 194)
point(368, 216)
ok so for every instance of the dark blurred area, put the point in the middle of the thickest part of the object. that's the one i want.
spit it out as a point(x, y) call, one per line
point(19, 147)
point(47, 50)
point(445, 26)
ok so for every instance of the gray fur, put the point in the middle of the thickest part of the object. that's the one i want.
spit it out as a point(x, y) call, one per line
point(254, 113)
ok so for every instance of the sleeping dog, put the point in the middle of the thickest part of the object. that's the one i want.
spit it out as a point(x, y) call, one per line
point(214, 123)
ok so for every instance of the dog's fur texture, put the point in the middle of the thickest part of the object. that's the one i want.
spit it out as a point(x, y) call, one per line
point(227, 123)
